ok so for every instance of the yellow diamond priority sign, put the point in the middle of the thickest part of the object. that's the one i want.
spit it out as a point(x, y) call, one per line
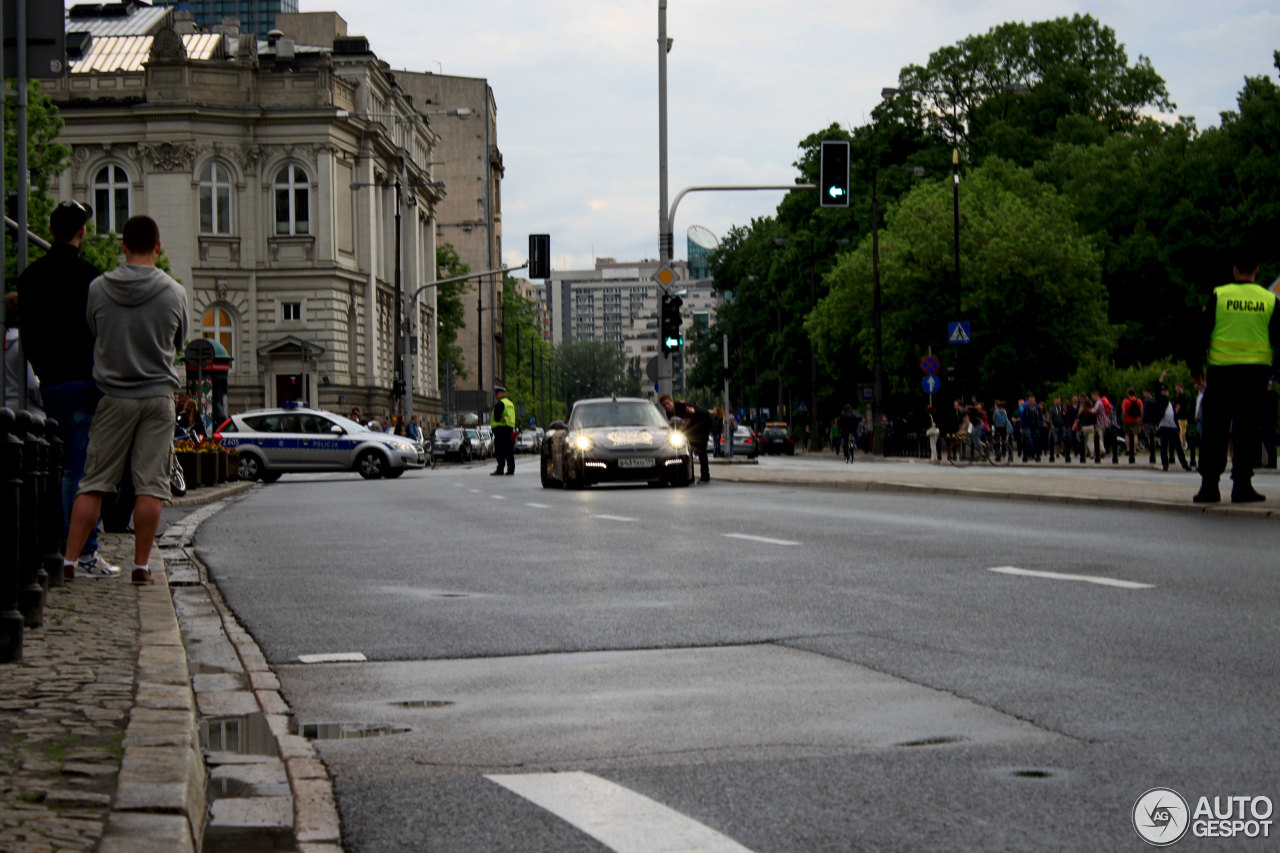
point(665, 276)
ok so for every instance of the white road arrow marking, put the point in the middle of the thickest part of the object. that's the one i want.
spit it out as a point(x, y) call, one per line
point(616, 816)
point(1057, 576)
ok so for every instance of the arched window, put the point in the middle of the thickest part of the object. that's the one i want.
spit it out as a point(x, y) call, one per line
point(292, 191)
point(216, 326)
point(111, 199)
point(215, 199)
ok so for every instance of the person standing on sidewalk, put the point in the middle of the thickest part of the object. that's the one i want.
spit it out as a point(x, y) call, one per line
point(138, 316)
point(504, 432)
point(1131, 409)
point(1238, 336)
point(57, 341)
point(1167, 430)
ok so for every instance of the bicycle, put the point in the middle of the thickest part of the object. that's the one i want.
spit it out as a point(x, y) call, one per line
point(964, 450)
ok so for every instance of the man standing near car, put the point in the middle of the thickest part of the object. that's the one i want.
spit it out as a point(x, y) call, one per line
point(697, 426)
point(504, 429)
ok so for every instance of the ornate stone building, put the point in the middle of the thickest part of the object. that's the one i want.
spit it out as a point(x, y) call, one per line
point(276, 171)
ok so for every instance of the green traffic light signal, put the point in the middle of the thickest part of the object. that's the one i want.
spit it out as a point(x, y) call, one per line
point(833, 172)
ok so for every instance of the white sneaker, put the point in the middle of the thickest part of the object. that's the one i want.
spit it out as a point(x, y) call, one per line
point(95, 567)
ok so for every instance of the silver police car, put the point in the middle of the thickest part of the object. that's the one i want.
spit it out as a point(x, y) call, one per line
point(279, 441)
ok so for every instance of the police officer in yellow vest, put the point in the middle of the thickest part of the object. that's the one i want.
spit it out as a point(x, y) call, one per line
point(504, 432)
point(1240, 332)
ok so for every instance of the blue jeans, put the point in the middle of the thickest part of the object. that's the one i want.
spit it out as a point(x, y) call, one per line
point(72, 404)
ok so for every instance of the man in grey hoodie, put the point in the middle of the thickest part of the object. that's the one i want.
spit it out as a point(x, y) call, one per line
point(138, 316)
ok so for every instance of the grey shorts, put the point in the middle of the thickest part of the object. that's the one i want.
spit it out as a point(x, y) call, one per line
point(140, 430)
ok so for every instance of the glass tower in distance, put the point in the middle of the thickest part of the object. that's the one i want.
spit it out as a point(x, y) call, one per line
point(256, 16)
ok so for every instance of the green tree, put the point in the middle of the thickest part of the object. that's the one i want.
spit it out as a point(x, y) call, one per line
point(526, 356)
point(46, 159)
point(450, 313)
point(1018, 89)
point(591, 369)
point(1032, 288)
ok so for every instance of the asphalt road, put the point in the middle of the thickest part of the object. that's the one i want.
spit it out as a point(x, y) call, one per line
point(782, 669)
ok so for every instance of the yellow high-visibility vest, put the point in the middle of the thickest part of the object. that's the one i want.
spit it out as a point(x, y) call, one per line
point(1241, 328)
point(508, 418)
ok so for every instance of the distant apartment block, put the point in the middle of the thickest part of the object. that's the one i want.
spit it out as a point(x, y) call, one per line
point(618, 302)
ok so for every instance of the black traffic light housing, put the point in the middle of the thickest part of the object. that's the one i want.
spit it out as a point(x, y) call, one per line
point(539, 256)
point(669, 325)
point(833, 183)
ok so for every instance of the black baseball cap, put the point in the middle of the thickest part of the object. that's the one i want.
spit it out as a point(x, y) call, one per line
point(68, 218)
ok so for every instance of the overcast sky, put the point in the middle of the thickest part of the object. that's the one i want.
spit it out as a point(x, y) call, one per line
point(576, 84)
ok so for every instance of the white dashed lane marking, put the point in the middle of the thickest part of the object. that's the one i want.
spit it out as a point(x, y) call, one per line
point(615, 518)
point(1057, 576)
point(334, 657)
point(615, 816)
point(765, 539)
point(498, 497)
point(539, 506)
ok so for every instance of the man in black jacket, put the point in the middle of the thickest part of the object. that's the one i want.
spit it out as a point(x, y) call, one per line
point(55, 336)
point(697, 426)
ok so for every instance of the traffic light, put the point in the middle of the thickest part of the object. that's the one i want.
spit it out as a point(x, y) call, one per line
point(539, 256)
point(669, 327)
point(833, 186)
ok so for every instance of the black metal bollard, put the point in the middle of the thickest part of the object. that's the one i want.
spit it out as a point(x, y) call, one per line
point(1116, 436)
point(51, 506)
point(31, 593)
point(11, 626)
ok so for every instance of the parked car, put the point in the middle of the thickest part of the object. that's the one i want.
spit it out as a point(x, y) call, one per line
point(273, 442)
point(744, 443)
point(487, 441)
point(451, 443)
point(477, 445)
point(615, 439)
point(527, 441)
point(776, 438)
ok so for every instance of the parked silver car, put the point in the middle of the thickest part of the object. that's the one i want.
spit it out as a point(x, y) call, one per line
point(272, 442)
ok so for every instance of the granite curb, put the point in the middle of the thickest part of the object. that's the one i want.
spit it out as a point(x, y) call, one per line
point(990, 483)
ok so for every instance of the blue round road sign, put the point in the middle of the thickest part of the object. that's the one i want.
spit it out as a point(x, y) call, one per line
point(930, 364)
point(931, 384)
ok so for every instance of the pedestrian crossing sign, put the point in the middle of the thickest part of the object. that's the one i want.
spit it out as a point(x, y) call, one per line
point(958, 332)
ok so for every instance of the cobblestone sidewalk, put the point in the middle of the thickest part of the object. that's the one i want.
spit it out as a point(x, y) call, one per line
point(63, 712)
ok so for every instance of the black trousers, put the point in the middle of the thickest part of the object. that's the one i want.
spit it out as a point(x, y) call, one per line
point(700, 450)
point(1232, 410)
point(504, 448)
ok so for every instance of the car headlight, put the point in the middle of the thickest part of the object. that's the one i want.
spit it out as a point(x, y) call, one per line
point(581, 442)
point(677, 439)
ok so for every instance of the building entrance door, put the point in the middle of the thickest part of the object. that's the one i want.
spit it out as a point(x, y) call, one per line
point(290, 388)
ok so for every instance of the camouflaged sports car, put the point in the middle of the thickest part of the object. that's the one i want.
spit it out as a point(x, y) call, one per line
point(615, 439)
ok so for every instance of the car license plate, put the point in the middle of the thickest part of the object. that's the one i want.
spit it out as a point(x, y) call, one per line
point(642, 462)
